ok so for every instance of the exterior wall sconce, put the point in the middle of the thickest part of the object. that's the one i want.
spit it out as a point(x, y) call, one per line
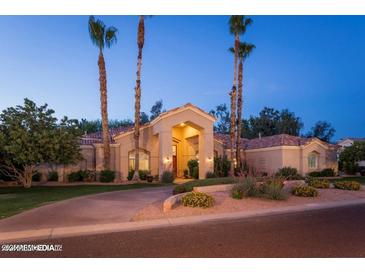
point(210, 159)
point(167, 159)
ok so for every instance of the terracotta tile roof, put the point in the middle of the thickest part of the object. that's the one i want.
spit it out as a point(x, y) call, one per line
point(182, 107)
point(96, 137)
point(268, 141)
point(355, 139)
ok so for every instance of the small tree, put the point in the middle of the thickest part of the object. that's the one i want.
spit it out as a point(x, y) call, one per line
point(30, 136)
point(350, 156)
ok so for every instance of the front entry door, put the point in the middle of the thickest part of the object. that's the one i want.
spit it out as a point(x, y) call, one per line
point(174, 160)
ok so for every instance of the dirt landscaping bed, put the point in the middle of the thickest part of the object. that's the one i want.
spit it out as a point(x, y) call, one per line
point(224, 204)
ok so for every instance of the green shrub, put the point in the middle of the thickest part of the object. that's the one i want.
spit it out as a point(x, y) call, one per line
point(52, 176)
point(197, 199)
point(143, 174)
point(246, 187)
point(222, 166)
point(193, 166)
point(75, 176)
point(37, 177)
point(179, 189)
point(347, 185)
point(327, 172)
point(236, 193)
point(210, 174)
point(106, 176)
point(272, 188)
point(317, 183)
point(289, 173)
point(156, 178)
point(130, 174)
point(305, 191)
point(88, 175)
point(167, 177)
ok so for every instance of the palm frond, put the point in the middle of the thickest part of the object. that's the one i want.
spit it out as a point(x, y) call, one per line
point(238, 24)
point(111, 36)
point(231, 49)
point(245, 49)
point(96, 32)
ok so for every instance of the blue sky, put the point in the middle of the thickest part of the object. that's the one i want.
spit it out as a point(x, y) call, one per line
point(313, 65)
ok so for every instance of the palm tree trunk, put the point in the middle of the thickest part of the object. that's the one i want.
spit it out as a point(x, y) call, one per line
point(104, 110)
point(233, 105)
point(239, 114)
point(137, 107)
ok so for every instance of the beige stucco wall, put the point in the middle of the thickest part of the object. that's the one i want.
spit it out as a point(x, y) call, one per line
point(264, 160)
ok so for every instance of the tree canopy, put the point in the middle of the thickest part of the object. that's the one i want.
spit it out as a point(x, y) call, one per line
point(350, 156)
point(30, 135)
point(322, 130)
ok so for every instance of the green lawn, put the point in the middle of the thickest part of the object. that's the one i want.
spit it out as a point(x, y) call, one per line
point(14, 200)
point(361, 180)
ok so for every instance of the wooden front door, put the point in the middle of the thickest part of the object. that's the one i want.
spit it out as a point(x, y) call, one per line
point(174, 160)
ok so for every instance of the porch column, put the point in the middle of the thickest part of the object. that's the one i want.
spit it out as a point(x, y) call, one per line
point(165, 151)
point(206, 152)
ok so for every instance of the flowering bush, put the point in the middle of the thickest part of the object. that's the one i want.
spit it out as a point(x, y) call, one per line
point(197, 199)
point(305, 191)
point(347, 185)
point(317, 183)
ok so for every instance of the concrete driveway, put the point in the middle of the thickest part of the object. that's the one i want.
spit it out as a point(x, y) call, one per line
point(103, 208)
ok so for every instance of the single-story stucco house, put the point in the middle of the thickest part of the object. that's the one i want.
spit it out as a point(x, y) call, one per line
point(183, 133)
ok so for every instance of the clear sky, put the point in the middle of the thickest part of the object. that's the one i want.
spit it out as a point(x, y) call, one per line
point(313, 65)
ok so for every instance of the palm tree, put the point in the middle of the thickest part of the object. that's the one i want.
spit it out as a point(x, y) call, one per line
point(102, 36)
point(237, 26)
point(137, 107)
point(243, 52)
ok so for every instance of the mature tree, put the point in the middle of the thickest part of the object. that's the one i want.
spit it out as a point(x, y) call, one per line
point(322, 130)
point(350, 156)
point(102, 36)
point(223, 115)
point(144, 118)
point(289, 123)
point(156, 109)
point(30, 136)
point(244, 51)
point(137, 107)
point(90, 126)
point(237, 26)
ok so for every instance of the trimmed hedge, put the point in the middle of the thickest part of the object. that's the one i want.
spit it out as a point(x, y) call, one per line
point(52, 176)
point(305, 191)
point(347, 185)
point(197, 199)
point(187, 187)
point(327, 172)
point(107, 176)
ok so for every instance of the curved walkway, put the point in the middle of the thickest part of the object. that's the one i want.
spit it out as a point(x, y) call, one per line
point(103, 208)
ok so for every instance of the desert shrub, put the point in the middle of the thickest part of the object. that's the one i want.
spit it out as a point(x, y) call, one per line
point(106, 176)
point(156, 178)
point(272, 188)
point(179, 189)
point(197, 199)
point(88, 175)
point(167, 177)
point(317, 183)
point(289, 173)
point(75, 176)
point(52, 176)
point(37, 177)
point(236, 193)
point(193, 166)
point(305, 191)
point(347, 185)
point(222, 166)
point(210, 174)
point(246, 187)
point(130, 174)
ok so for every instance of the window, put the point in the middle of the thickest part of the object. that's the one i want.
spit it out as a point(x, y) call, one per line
point(144, 160)
point(313, 160)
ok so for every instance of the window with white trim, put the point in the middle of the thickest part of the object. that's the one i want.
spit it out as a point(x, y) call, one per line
point(313, 160)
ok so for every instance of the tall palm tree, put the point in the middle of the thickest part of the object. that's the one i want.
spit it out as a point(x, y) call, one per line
point(102, 36)
point(237, 26)
point(244, 50)
point(137, 107)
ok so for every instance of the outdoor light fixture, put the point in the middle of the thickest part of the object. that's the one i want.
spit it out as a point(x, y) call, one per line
point(182, 124)
point(167, 159)
point(210, 159)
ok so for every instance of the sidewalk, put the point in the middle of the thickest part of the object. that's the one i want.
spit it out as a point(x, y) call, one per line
point(59, 232)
